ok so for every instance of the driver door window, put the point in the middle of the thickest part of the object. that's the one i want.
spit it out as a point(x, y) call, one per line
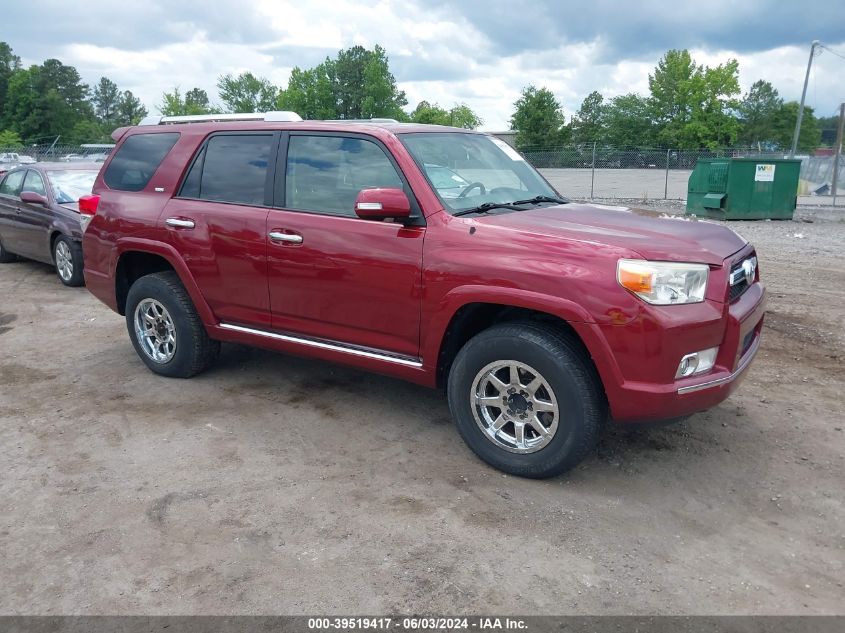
point(325, 173)
point(34, 182)
point(12, 184)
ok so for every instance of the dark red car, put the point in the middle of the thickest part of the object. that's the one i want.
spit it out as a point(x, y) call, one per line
point(39, 215)
point(337, 240)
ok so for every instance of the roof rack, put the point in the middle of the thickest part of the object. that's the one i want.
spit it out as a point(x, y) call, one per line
point(279, 115)
point(373, 120)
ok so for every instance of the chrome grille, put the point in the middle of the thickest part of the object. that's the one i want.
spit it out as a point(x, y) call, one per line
point(738, 283)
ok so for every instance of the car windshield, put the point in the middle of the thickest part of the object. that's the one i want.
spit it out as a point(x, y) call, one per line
point(69, 185)
point(467, 170)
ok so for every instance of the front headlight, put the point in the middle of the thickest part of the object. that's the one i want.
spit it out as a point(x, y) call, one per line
point(663, 283)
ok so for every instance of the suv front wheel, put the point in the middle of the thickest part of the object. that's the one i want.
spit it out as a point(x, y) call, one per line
point(526, 398)
point(165, 329)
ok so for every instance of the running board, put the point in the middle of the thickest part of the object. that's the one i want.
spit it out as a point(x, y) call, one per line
point(407, 361)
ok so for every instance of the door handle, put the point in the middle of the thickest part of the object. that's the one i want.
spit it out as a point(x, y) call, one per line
point(289, 238)
point(180, 223)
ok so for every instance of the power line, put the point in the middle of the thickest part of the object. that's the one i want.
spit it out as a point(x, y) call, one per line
point(830, 50)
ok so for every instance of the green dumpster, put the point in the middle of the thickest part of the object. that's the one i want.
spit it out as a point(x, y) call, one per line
point(744, 188)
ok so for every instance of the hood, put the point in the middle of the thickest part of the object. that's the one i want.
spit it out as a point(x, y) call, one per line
point(653, 234)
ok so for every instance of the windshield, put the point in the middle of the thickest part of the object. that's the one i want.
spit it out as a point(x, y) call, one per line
point(468, 170)
point(70, 185)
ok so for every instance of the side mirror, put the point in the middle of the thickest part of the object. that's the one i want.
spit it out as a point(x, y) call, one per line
point(33, 198)
point(378, 204)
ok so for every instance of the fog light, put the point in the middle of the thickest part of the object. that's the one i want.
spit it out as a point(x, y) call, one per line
point(697, 363)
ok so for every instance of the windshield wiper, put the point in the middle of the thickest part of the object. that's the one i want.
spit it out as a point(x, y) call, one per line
point(539, 199)
point(487, 206)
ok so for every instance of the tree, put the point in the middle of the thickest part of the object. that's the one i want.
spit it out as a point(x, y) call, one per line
point(692, 104)
point(381, 97)
point(10, 140)
point(757, 113)
point(247, 93)
point(9, 64)
point(829, 125)
point(130, 110)
point(106, 98)
point(588, 125)
point(310, 93)
point(195, 101)
point(538, 119)
point(784, 128)
point(47, 100)
point(628, 122)
point(460, 115)
point(357, 84)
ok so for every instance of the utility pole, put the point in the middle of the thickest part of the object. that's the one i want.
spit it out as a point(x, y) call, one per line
point(838, 151)
point(803, 96)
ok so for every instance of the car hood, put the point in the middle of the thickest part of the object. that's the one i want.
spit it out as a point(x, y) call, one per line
point(654, 235)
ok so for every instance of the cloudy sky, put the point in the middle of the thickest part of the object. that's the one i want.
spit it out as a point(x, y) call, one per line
point(479, 52)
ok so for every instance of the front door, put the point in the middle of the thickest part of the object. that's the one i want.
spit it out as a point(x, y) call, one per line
point(34, 220)
point(335, 276)
point(10, 209)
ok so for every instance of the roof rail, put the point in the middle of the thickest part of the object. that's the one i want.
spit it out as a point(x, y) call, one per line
point(373, 120)
point(279, 115)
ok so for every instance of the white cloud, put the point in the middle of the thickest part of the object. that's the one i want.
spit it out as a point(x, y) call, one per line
point(439, 52)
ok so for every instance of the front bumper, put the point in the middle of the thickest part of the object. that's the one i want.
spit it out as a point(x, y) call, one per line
point(738, 337)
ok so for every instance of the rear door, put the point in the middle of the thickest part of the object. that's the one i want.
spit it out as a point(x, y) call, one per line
point(338, 277)
point(218, 223)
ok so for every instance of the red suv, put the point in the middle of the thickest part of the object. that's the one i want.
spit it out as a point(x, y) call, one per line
point(433, 254)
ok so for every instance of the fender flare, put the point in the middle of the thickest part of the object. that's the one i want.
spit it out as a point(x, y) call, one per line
point(172, 256)
point(567, 310)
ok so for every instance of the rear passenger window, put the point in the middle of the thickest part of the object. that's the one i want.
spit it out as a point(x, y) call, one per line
point(12, 183)
point(230, 168)
point(137, 159)
point(325, 173)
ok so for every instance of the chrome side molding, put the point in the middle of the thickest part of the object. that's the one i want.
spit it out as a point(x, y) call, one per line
point(406, 361)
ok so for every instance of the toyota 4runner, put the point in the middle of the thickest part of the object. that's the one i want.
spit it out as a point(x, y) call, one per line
point(433, 254)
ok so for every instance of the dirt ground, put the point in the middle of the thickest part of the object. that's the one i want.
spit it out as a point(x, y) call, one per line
point(277, 485)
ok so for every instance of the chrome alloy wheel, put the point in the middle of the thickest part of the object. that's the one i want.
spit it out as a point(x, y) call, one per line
point(155, 330)
point(514, 406)
point(64, 261)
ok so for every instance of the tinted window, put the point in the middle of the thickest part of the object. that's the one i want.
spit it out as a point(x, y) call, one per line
point(325, 173)
point(34, 182)
point(234, 169)
point(12, 183)
point(137, 159)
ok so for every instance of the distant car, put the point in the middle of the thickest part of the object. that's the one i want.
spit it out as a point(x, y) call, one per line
point(39, 215)
point(72, 158)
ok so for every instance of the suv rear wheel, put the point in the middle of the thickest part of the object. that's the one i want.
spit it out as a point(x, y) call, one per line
point(165, 328)
point(526, 399)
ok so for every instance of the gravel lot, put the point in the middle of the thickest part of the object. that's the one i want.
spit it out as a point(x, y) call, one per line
point(273, 484)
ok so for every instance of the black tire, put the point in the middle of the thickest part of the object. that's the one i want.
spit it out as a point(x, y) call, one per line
point(70, 275)
point(194, 350)
point(567, 369)
point(6, 256)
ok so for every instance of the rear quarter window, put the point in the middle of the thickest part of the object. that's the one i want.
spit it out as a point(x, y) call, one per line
point(137, 159)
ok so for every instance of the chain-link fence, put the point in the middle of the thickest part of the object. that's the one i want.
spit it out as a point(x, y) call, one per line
point(16, 155)
point(643, 173)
